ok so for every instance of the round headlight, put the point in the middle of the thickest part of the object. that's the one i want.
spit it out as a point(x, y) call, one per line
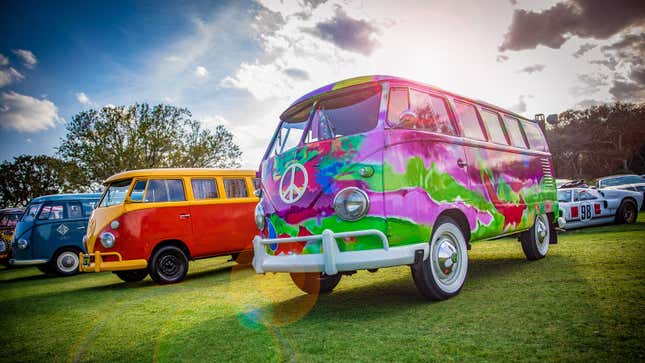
point(115, 224)
point(351, 204)
point(259, 216)
point(107, 239)
point(22, 243)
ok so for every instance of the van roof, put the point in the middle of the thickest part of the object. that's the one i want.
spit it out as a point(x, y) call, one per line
point(382, 78)
point(179, 172)
point(60, 197)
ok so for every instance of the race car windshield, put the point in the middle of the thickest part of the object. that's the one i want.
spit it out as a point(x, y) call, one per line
point(628, 179)
point(115, 193)
point(564, 196)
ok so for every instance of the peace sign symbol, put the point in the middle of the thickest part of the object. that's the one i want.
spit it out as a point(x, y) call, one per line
point(293, 192)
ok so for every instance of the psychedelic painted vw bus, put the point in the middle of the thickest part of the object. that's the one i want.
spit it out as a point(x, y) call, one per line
point(380, 171)
point(50, 233)
point(154, 221)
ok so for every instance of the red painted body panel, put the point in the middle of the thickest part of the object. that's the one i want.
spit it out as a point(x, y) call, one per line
point(222, 228)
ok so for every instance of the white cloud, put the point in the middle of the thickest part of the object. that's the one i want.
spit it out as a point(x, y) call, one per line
point(109, 105)
point(27, 114)
point(83, 98)
point(201, 72)
point(9, 76)
point(28, 58)
point(3, 60)
point(172, 58)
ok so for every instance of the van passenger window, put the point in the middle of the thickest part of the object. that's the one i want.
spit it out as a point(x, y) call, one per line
point(165, 190)
point(469, 121)
point(52, 211)
point(137, 191)
point(494, 127)
point(431, 111)
point(397, 104)
point(75, 210)
point(204, 188)
point(9, 220)
point(534, 136)
point(88, 207)
point(235, 188)
point(514, 132)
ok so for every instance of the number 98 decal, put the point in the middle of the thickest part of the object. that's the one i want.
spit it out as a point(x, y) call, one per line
point(585, 212)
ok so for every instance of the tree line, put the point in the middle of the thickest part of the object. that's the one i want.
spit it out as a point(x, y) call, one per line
point(102, 142)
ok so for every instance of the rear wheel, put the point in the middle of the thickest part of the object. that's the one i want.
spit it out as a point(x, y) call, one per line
point(132, 275)
point(315, 282)
point(442, 274)
point(66, 262)
point(535, 241)
point(626, 212)
point(168, 265)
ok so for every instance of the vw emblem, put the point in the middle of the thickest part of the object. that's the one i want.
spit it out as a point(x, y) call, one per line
point(291, 187)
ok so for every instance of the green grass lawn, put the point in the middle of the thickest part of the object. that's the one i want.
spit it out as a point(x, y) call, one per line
point(584, 302)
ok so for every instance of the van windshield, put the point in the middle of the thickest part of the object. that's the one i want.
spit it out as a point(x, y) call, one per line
point(115, 193)
point(31, 212)
point(341, 113)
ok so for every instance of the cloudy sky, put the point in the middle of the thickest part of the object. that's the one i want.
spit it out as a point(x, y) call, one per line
point(240, 63)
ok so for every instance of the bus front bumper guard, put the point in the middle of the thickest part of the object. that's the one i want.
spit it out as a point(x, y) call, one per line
point(331, 260)
point(98, 265)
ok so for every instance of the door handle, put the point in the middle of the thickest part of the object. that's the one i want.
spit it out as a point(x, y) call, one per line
point(461, 163)
point(184, 216)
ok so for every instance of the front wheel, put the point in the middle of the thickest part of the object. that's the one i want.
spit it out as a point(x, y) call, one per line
point(442, 274)
point(315, 282)
point(66, 262)
point(132, 275)
point(626, 212)
point(535, 241)
point(168, 265)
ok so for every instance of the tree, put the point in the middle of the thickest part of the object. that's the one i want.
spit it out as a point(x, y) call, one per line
point(599, 141)
point(30, 176)
point(114, 139)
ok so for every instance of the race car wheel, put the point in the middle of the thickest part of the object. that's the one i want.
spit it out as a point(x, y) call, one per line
point(65, 262)
point(626, 212)
point(132, 275)
point(168, 265)
point(442, 274)
point(315, 282)
point(535, 241)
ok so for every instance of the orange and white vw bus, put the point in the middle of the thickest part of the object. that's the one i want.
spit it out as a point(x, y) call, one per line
point(154, 221)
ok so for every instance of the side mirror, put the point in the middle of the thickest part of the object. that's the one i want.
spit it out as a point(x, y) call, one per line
point(408, 117)
point(552, 119)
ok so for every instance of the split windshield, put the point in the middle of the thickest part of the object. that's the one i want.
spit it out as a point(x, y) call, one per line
point(338, 114)
point(31, 212)
point(115, 193)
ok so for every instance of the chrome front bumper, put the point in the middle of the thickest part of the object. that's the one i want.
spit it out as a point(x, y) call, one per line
point(332, 260)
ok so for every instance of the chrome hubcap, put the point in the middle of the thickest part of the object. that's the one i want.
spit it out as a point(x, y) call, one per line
point(67, 262)
point(542, 234)
point(446, 258)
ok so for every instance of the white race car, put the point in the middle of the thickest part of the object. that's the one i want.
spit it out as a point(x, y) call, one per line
point(583, 207)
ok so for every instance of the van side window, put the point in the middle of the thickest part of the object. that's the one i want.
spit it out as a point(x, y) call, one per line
point(513, 128)
point(534, 136)
point(235, 188)
point(469, 121)
point(75, 210)
point(432, 114)
point(165, 190)
point(494, 127)
point(398, 103)
point(257, 184)
point(88, 207)
point(204, 188)
point(137, 191)
point(52, 212)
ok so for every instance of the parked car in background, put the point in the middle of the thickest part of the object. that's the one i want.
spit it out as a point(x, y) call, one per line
point(154, 221)
point(583, 207)
point(631, 182)
point(8, 219)
point(50, 233)
point(379, 171)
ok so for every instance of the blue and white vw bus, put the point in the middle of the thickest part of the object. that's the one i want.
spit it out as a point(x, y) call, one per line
point(50, 233)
